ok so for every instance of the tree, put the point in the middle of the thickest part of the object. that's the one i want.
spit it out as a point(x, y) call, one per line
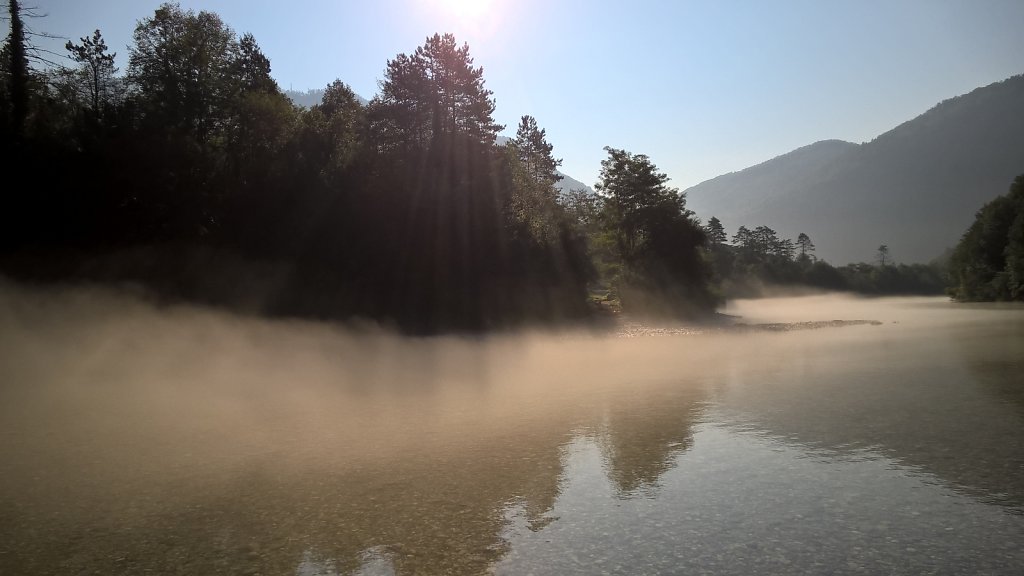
point(988, 262)
point(636, 198)
point(767, 239)
point(784, 249)
point(252, 67)
point(883, 255)
point(16, 77)
point(715, 231)
point(342, 119)
point(583, 206)
point(98, 66)
point(433, 94)
point(743, 238)
point(182, 66)
point(534, 199)
point(534, 153)
point(806, 247)
point(1015, 256)
point(656, 237)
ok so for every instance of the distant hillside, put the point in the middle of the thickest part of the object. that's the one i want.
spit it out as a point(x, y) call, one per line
point(915, 188)
point(311, 98)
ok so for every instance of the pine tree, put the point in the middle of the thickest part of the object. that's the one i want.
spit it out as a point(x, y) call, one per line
point(883, 255)
point(99, 67)
point(432, 94)
point(534, 153)
point(805, 244)
point(743, 238)
point(715, 231)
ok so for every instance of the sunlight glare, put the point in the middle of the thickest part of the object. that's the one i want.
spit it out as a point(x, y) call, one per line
point(465, 10)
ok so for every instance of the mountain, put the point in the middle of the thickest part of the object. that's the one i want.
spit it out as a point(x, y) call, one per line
point(568, 183)
point(915, 188)
point(312, 97)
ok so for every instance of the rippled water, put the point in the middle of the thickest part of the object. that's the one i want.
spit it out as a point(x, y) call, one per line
point(136, 439)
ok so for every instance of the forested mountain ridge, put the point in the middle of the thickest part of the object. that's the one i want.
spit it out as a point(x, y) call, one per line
point(915, 188)
point(313, 97)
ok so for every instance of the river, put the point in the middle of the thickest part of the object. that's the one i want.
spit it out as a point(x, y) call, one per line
point(137, 438)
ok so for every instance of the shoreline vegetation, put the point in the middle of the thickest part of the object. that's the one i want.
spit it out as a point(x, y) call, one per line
point(210, 186)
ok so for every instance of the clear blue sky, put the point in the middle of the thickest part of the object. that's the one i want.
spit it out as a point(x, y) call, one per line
point(703, 88)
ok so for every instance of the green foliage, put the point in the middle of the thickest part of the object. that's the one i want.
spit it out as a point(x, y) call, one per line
point(988, 263)
point(252, 67)
point(893, 279)
point(434, 94)
point(656, 239)
point(534, 153)
point(97, 68)
point(182, 67)
point(806, 247)
point(403, 211)
point(759, 259)
point(715, 231)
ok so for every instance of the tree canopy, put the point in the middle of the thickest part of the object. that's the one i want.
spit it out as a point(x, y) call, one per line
point(988, 263)
point(194, 175)
point(657, 239)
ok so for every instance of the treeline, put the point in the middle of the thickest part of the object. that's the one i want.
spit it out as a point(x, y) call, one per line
point(194, 174)
point(759, 259)
point(988, 263)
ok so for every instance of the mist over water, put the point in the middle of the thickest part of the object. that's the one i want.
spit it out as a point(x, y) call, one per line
point(182, 440)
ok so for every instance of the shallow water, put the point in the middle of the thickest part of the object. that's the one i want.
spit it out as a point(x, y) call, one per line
point(136, 439)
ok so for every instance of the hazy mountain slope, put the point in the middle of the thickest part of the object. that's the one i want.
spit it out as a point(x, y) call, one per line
point(312, 97)
point(915, 188)
point(568, 183)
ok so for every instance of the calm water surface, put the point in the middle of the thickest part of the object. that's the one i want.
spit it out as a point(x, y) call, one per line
point(139, 440)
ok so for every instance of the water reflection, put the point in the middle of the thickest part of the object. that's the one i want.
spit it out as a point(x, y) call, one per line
point(940, 397)
point(746, 503)
point(185, 442)
point(639, 443)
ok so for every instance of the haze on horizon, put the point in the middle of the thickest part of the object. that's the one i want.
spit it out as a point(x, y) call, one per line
point(703, 89)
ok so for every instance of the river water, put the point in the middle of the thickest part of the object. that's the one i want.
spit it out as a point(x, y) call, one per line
point(141, 439)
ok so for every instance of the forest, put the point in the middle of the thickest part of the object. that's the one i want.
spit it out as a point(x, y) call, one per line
point(193, 175)
point(988, 263)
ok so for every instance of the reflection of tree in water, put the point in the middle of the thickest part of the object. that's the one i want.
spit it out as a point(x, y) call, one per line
point(999, 365)
point(641, 440)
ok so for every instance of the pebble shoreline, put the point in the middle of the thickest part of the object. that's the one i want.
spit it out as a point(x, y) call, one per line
point(628, 328)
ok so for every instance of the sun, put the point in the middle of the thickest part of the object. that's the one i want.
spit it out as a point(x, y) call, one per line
point(466, 10)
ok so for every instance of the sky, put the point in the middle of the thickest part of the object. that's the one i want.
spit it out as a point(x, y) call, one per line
point(702, 88)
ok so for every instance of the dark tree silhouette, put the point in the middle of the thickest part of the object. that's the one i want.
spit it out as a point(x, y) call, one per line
point(434, 93)
point(656, 237)
point(805, 244)
point(715, 231)
point(534, 152)
point(16, 72)
point(883, 255)
point(98, 66)
point(988, 263)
